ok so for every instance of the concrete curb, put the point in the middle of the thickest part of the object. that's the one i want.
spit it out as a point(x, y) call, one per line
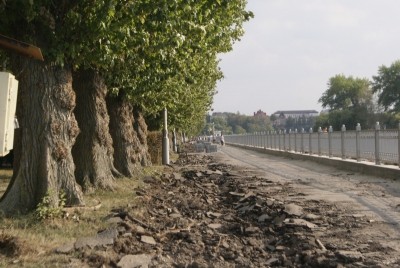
point(368, 168)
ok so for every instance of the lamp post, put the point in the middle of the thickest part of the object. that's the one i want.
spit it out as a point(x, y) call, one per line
point(165, 141)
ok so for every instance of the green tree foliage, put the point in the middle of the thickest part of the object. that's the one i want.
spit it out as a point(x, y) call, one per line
point(176, 65)
point(239, 130)
point(158, 54)
point(350, 102)
point(221, 124)
point(230, 123)
point(346, 93)
point(387, 85)
point(388, 120)
point(322, 121)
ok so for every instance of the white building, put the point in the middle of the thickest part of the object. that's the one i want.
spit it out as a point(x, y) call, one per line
point(296, 113)
point(304, 116)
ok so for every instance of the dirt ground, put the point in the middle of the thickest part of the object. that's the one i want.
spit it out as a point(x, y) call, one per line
point(213, 210)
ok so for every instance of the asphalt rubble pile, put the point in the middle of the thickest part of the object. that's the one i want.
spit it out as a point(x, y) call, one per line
point(201, 213)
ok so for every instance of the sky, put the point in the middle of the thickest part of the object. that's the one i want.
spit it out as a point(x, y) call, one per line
point(291, 48)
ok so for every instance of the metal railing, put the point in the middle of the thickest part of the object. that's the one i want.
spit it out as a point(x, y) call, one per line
point(377, 145)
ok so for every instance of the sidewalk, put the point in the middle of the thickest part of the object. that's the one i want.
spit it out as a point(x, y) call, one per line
point(365, 167)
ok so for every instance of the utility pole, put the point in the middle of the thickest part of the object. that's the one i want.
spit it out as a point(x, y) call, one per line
point(165, 141)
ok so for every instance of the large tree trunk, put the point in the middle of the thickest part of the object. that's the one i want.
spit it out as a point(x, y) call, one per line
point(141, 130)
point(48, 131)
point(125, 139)
point(93, 150)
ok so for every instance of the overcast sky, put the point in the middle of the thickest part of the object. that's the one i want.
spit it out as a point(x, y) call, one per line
point(291, 48)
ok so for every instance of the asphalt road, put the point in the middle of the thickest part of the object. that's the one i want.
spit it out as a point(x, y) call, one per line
point(376, 197)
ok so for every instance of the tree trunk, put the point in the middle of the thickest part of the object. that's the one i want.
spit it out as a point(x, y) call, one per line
point(126, 141)
point(48, 131)
point(93, 150)
point(141, 130)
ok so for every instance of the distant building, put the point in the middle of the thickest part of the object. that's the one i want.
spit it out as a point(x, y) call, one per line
point(292, 119)
point(260, 113)
point(296, 113)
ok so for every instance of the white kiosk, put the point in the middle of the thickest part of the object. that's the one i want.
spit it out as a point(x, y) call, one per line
point(8, 104)
point(9, 92)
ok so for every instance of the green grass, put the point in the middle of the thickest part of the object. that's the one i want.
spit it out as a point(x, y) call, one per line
point(36, 240)
point(5, 176)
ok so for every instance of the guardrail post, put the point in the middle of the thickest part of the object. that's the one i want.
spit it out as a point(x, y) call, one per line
point(330, 130)
point(269, 139)
point(302, 141)
point(295, 140)
point(284, 140)
point(290, 142)
point(271, 142)
point(319, 141)
point(343, 141)
point(377, 132)
point(398, 145)
point(279, 139)
point(358, 154)
point(263, 139)
point(310, 141)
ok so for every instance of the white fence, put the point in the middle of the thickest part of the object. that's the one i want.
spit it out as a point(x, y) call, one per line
point(379, 146)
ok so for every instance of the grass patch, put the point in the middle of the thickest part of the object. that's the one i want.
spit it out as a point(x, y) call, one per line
point(27, 242)
point(5, 176)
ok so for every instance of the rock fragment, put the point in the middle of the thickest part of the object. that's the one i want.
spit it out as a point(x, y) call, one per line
point(148, 240)
point(293, 210)
point(140, 260)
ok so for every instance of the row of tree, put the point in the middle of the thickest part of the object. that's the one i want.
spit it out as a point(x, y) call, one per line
point(107, 63)
point(349, 100)
point(352, 100)
point(231, 123)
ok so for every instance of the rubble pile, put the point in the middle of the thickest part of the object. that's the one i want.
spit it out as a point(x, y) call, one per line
point(201, 213)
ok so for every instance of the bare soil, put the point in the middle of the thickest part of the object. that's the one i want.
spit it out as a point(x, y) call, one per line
point(215, 211)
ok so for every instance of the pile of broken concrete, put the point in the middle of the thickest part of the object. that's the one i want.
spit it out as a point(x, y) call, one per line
point(200, 213)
